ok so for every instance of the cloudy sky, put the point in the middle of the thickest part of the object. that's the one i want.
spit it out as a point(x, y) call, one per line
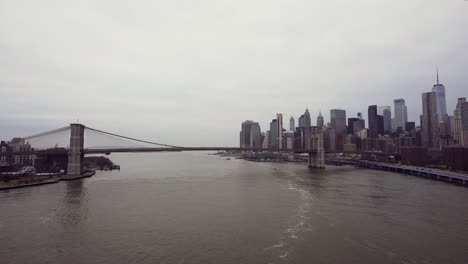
point(189, 72)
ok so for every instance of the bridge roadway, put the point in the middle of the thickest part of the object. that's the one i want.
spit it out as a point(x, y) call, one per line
point(135, 150)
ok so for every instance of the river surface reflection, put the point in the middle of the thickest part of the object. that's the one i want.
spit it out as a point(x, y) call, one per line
point(197, 208)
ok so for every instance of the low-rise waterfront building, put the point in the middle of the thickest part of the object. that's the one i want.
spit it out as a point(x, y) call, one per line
point(16, 151)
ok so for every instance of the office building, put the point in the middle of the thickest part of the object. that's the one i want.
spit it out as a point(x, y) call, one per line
point(279, 118)
point(373, 121)
point(464, 123)
point(430, 121)
point(410, 126)
point(444, 127)
point(320, 121)
point(23, 152)
point(307, 120)
point(351, 121)
point(292, 125)
point(329, 139)
point(380, 124)
point(250, 135)
point(439, 90)
point(386, 112)
point(301, 121)
point(338, 123)
point(288, 140)
point(266, 139)
point(457, 122)
point(401, 114)
point(304, 120)
point(273, 137)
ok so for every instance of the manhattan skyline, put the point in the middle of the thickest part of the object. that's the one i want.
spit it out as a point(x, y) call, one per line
point(141, 72)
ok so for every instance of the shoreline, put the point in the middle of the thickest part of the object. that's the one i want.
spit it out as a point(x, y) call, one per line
point(456, 178)
point(52, 179)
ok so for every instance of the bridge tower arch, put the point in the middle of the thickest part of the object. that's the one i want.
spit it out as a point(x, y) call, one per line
point(75, 153)
point(317, 158)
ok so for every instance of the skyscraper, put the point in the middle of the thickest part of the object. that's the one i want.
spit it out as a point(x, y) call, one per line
point(387, 115)
point(410, 126)
point(307, 120)
point(351, 121)
point(338, 123)
point(301, 121)
point(386, 112)
point(329, 139)
point(401, 114)
point(430, 121)
point(439, 89)
point(373, 121)
point(464, 123)
point(302, 132)
point(279, 117)
point(273, 136)
point(359, 125)
point(380, 124)
point(266, 140)
point(444, 127)
point(457, 121)
point(320, 120)
point(250, 135)
point(292, 126)
point(452, 126)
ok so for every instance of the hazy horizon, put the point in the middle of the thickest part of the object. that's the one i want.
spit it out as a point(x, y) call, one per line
point(188, 73)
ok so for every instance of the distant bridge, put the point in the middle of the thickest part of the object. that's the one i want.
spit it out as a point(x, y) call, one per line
point(76, 151)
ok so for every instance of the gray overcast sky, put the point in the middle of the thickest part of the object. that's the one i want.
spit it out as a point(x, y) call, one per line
point(189, 72)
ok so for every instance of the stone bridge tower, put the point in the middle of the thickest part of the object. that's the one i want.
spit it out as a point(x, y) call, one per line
point(75, 153)
point(315, 142)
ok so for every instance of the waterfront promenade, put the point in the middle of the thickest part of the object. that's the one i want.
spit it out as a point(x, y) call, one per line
point(452, 177)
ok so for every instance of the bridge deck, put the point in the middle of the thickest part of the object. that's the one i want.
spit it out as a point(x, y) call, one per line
point(120, 150)
point(135, 150)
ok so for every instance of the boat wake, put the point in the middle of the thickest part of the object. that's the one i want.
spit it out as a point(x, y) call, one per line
point(298, 223)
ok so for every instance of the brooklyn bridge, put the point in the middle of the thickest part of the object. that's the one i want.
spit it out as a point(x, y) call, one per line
point(76, 150)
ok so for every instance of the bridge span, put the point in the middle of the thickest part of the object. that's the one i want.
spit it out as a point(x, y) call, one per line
point(134, 150)
point(108, 151)
point(76, 150)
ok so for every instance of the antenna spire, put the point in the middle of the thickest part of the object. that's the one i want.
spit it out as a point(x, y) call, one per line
point(437, 72)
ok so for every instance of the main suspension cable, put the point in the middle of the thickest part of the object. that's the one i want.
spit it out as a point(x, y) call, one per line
point(47, 133)
point(139, 140)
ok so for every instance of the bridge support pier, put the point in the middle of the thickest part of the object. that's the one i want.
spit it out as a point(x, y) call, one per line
point(75, 153)
point(316, 159)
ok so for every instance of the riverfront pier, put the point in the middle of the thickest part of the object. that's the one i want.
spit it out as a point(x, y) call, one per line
point(426, 173)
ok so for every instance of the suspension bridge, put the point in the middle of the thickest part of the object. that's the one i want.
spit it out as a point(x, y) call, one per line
point(76, 149)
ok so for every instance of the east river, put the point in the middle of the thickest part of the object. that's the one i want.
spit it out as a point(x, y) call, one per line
point(198, 208)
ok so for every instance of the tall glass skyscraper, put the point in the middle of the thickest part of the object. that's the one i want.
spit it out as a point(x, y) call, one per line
point(373, 121)
point(401, 114)
point(457, 120)
point(250, 135)
point(292, 126)
point(430, 121)
point(386, 112)
point(439, 89)
point(338, 122)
